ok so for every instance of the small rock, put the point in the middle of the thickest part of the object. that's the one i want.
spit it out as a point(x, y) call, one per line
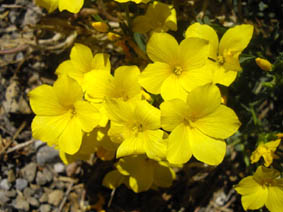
point(28, 192)
point(11, 193)
point(3, 198)
point(29, 172)
point(47, 154)
point(55, 197)
point(59, 168)
point(43, 177)
point(33, 202)
point(11, 176)
point(21, 204)
point(4, 184)
point(38, 144)
point(45, 208)
point(21, 184)
point(43, 198)
point(48, 175)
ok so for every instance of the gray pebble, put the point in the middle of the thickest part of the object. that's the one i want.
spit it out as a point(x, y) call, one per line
point(20, 203)
point(38, 144)
point(48, 175)
point(55, 197)
point(21, 184)
point(11, 193)
point(59, 168)
point(33, 201)
point(3, 198)
point(43, 198)
point(28, 192)
point(29, 172)
point(5, 185)
point(47, 154)
point(41, 178)
point(45, 208)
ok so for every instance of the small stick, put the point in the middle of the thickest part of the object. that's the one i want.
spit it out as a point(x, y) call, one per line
point(111, 198)
point(14, 137)
point(65, 197)
point(19, 146)
point(14, 50)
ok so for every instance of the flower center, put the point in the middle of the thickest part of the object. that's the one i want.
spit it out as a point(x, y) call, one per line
point(178, 70)
point(220, 60)
point(137, 128)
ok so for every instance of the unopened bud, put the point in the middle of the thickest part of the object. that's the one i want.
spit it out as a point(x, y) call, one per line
point(264, 64)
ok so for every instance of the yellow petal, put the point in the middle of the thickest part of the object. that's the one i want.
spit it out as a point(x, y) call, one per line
point(272, 145)
point(113, 179)
point(100, 26)
point(220, 75)
point(203, 100)
point(141, 24)
point(221, 123)
point(130, 146)
point(247, 186)
point(98, 84)
point(43, 101)
point(205, 32)
point(154, 75)
point(236, 38)
point(125, 84)
point(206, 149)
point(162, 47)
point(163, 175)
point(81, 57)
point(274, 200)
point(62, 86)
point(88, 115)
point(194, 53)
point(154, 145)
point(71, 138)
point(264, 64)
point(49, 128)
point(147, 115)
point(172, 113)
point(72, 6)
point(172, 88)
point(50, 5)
point(118, 110)
point(179, 149)
point(101, 62)
point(255, 200)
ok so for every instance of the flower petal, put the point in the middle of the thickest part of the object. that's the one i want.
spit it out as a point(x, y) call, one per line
point(154, 75)
point(62, 86)
point(72, 6)
point(163, 175)
point(81, 57)
point(221, 123)
point(101, 62)
point(194, 53)
point(247, 186)
point(44, 102)
point(236, 38)
point(255, 200)
point(155, 146)
point(220, 75)
point(147, 115)
point(162, 47)
point(274, 200)
point(71, 139)
point(113, 179)
point(173, 113)
point(119, 111)
point(130, 146)
point(203, 100)
point(206, 149)
point(205, 32)
point(172, 88)
point(179, 149)
point(88, 115)
point(49, 128)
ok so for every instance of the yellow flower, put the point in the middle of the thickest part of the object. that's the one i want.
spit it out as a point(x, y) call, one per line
point(113, 36)
point(176, 68)
point(140, 174)
point(82, 62)
point(100, 26)
point(62, 116)
point(264, 64)
point(124, 85)
point(72, 6)
point(159, 17)
point(265, 150)
point(136, 125)
point(198, 126)
point(226, 53)
point(263, 188)
point(97, 142)
point(136, 1)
